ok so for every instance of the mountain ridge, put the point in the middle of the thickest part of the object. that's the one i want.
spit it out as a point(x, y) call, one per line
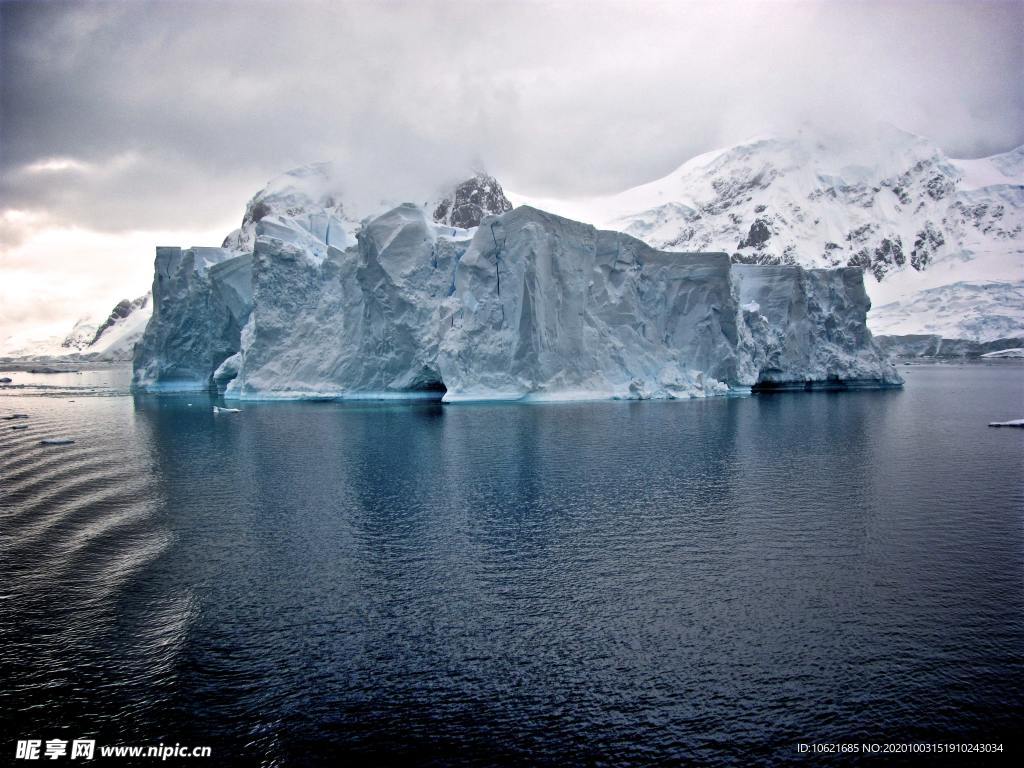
point(890, 202)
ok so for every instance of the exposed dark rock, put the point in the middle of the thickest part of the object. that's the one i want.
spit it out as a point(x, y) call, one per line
point(854, 194)
point(862, 259)
point(737, 187)
point(764, 259)
point(256, 212)
point(758, 235)
point(927, 242)
point(890, 252)
point(833, 253)
point(860, 234)
point(471, 201)
point(938, 187)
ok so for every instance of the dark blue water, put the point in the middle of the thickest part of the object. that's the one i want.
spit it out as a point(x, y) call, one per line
point(603, 583)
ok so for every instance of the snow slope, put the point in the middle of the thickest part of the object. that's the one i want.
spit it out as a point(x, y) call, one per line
point(975, 310)
point(888, 202)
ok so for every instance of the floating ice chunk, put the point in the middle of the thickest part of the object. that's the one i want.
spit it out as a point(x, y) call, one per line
point(1013, 352)
point(219, 409)
point(1011, 423)
point(56, 441)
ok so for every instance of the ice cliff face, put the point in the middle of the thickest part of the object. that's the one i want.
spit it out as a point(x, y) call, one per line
point(548, 307)
point(201, 299)
point(365, 321)
point(808, 326)
point(520, 305)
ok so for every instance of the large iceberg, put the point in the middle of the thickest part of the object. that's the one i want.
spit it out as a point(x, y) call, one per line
point(490, 303)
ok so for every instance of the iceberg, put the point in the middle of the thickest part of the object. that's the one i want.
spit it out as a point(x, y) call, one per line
point(491, 303)
point(1011, 423)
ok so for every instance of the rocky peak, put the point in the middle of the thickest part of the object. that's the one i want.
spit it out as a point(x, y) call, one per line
point(470, 201)
point(121, 310)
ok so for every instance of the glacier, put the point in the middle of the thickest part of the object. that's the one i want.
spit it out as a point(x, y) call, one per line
point(463, 298)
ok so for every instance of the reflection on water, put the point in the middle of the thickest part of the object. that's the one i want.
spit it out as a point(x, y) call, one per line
point(640, 582)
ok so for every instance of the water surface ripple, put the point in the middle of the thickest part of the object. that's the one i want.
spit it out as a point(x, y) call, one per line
point(706, 582)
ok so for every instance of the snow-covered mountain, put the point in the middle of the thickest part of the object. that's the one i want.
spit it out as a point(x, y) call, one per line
point(980, 311)
point(17, 347)
point(107, 338)
point(116, 336)
point(889, 202)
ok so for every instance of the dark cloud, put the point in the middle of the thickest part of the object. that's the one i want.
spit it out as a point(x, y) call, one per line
point(175, 112)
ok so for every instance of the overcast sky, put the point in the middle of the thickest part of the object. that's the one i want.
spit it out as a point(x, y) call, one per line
point(131, 123)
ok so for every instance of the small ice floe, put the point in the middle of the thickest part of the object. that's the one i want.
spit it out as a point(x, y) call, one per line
point(218, 409)
point(1011, 423)
point(1000, 354)
point(6, 380)
point(20, 426)
point(14, 416)
point(56, 441)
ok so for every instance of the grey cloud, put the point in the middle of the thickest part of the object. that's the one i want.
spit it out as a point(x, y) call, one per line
point(211, 99)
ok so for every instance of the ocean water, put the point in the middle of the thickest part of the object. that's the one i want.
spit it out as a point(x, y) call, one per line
point(705, 582)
